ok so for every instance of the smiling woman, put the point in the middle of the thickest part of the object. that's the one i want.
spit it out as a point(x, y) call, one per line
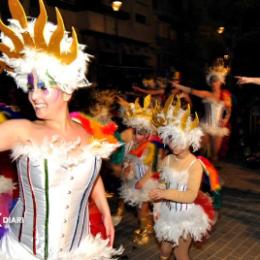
point(42, 97)
point(56, 157)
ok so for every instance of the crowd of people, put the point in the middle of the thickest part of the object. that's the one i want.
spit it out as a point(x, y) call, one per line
point(158, 156)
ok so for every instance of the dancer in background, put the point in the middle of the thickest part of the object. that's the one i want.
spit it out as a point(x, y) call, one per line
point(57, 160)
point(141, 157)
point(218, 108)
point(165, 89)
point(182, 213)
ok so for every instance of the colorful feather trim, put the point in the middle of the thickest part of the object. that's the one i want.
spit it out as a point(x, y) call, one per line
point(96, 129)
point(206, 203)
point(212, 173)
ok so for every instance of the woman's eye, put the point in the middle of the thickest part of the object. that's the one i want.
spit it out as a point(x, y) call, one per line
point(41, 85)
point(30, 87)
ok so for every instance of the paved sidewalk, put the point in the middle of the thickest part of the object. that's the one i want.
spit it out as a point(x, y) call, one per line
point(237, 234)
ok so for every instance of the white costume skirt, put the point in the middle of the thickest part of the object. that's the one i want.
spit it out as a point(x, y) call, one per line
point(91, 248)
point(135, 197)
point(173, 224)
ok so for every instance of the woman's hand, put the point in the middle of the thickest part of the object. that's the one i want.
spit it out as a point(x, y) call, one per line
point(140, 184)
point(127, 170)
point(110, 230)
point(157, 194)
point(128, 173)
point(243, 80)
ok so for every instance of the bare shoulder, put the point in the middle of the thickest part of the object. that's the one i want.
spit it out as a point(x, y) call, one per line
point(17, 125)
point(13, 132)
point(127, 135)
point(196, 166)
point(81, 131)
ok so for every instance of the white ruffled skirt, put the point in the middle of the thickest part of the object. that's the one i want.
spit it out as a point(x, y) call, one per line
point(91, 248)
point(173, 225)
point(135, 197)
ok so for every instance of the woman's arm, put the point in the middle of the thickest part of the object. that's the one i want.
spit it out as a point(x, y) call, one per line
point(99, 197)
point(248, 80)
point(188, 196)
point(140, 184)
point(195, 92)
point(148, 159)
point(12, 132)
point(149, 91)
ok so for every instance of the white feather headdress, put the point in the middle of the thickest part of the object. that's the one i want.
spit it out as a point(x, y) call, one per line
point(44, 47)
point(139, 117)
point(175, 125)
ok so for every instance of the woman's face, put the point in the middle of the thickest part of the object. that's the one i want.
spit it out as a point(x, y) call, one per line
point(177, 149)
point(140, 135)
point(46, 102)
point(215, 84)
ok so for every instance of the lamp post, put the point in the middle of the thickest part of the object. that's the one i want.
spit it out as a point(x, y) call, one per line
point(116, 5)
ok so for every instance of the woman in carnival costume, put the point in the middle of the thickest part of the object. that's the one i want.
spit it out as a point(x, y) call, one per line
point(218, 107)
point(183, 213)
point(57, 160)
point(139, 166)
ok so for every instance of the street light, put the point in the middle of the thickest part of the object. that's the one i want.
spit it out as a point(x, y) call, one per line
point(116, 5)
point(221, 29)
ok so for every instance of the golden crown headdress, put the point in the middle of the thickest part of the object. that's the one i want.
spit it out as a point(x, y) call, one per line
point(37, 41)
point(23, 39)
point(138, 116)
point(174, 114)
point(175, 124)
point(219, 70)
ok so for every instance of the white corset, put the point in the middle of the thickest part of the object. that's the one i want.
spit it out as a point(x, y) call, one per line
point(54, 192)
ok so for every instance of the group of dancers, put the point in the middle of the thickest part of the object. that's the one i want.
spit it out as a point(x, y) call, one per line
point(58, 156)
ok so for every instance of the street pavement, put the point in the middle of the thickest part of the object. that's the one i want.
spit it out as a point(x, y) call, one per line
point(237, 233)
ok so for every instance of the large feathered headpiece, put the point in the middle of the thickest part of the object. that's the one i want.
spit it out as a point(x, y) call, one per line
point(44, 47)
point(218, 70)
point(175, 125)
point(139, 117)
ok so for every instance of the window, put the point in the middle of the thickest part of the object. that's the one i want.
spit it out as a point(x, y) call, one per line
point(140, 18)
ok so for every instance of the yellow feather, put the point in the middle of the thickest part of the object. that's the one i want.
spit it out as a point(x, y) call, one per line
point(17, 12)
point(147, 101)
point(195, 122)
point(185, 118)
point(18, 44)
point(167, 104)
point(69, 57)
point(40, 22)
point(55, 40)
point(177, 106)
